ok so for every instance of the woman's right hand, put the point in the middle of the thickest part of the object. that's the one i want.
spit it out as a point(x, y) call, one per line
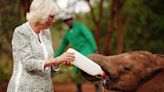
point(66, 57)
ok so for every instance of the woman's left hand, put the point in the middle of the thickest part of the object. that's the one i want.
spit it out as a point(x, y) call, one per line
point(66, 58)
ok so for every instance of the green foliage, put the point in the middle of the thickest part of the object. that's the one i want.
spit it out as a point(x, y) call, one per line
point(5, 69)
point(10, 17)
point(145, 31)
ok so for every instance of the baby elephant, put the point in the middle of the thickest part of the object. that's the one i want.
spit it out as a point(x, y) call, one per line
point(138, 71)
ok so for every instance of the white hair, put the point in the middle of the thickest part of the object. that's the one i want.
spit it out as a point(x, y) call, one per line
point(40, 10)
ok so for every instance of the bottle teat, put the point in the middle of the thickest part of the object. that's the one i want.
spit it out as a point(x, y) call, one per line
point(103, 74)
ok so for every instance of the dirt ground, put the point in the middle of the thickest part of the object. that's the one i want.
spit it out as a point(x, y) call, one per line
point(70, 87)
point(67, 87)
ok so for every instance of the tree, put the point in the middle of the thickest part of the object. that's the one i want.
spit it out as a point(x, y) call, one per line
point(116, 23)
point(97, 22)
point(116, 18)
point(139, 16)
point(10, 17)
point(25, 5)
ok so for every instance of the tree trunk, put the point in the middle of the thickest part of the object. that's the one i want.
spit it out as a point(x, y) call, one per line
point(25, 6)
point(117, 20)
point(107, 48)
point(97, 22)
point(120, 25)
point(120, 40)
point(97, 35)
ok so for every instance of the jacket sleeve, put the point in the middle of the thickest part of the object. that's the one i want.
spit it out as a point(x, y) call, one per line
point(54, 67)
point(88, 35)
point(22, 50)
point(62, 46)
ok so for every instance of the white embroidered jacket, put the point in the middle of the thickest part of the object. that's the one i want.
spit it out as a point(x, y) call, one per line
point(29, 74)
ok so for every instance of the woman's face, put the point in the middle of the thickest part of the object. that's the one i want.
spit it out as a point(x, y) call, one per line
point(48, 23)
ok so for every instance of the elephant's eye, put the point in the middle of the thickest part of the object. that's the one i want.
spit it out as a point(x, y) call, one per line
point(127, 67)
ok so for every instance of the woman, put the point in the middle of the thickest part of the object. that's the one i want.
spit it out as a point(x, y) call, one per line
point(33, 52)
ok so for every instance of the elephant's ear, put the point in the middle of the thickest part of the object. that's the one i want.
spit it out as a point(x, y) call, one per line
point(156, 65)
point(159, 59)
point(150, 72)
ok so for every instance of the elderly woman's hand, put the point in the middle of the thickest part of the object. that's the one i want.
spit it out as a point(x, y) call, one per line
point(66, 58)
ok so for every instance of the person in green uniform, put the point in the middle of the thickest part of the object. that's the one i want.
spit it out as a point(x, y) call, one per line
point(82, 40)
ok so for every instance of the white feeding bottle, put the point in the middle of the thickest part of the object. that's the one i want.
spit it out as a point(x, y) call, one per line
point(86, 64)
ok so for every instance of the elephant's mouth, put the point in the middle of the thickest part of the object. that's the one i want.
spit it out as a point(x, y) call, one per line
point(109, 80)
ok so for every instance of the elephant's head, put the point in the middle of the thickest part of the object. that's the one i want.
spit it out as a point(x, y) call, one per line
point(126, 71)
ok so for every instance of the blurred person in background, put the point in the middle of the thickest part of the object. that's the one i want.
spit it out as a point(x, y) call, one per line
point(82, 40)
point(32, 50)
